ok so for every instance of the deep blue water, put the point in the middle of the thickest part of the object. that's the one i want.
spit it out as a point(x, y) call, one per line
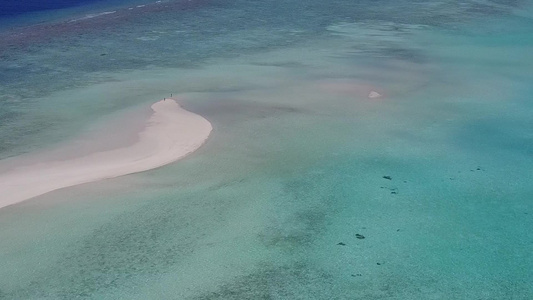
point(18, 14)
point(15, 7)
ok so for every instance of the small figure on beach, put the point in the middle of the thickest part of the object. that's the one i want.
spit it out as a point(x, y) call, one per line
point(170, 95)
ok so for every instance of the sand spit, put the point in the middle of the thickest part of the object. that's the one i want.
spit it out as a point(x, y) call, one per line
point(374, 94)
point(170, 133)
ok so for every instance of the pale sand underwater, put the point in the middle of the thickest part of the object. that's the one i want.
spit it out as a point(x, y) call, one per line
point(170, 133)
point(311, 186)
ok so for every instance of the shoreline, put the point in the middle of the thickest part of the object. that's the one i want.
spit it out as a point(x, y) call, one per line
point(161, 141)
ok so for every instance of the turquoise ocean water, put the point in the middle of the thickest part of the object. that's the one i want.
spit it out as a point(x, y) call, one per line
point(436, 175)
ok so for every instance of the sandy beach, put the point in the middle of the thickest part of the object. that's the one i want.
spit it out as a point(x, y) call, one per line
point(170, 133)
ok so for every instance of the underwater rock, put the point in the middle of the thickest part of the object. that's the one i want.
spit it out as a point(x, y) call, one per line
point(387, 177)
point(341, 244)
point(359, 236)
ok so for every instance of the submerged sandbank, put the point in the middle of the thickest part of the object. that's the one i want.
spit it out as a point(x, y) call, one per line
point(170, 133)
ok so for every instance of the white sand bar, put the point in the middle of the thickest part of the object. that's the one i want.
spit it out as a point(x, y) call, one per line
point(171, 133)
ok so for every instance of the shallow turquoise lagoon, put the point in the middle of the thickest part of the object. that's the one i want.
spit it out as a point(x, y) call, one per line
point(307, 188)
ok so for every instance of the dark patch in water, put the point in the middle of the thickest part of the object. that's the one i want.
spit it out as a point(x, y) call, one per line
point(241, 110)
point(288, 64)
point(284, 282)
point(406, 54)
point(300, 230)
